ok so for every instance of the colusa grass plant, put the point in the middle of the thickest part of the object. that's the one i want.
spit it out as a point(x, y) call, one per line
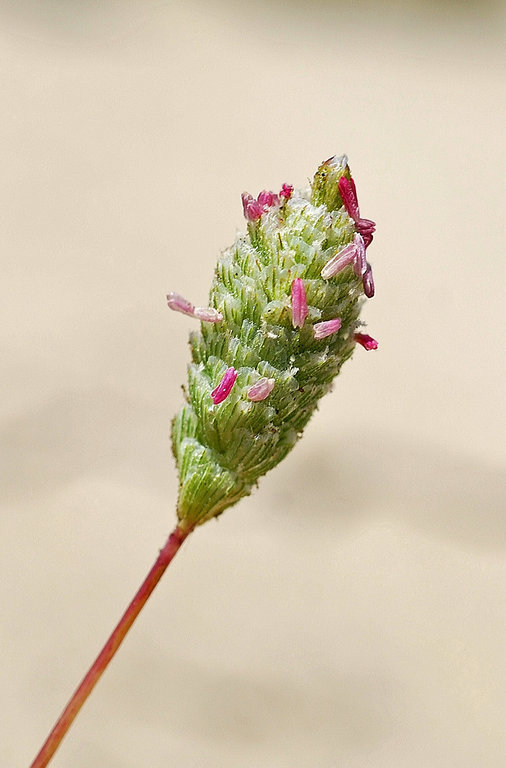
point(283, 317)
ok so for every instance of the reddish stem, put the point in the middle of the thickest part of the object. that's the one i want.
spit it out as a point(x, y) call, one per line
point(94, 673)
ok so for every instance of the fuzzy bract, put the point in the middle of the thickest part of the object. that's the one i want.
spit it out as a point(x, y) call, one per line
point(256, 377)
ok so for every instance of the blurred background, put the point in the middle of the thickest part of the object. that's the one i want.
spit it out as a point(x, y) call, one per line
point(351, 612)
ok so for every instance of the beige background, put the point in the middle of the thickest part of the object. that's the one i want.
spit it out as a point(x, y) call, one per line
point(350, 613)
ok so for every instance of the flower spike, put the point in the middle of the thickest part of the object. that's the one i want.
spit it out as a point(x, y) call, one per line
point(261, 390)
point(299, 303)
point(279, 345)
point(224, 388)
point(366, 341)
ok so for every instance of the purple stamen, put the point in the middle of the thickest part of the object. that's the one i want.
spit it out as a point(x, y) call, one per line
point(342, 259)
point(326, 328)
point(251, 207)
point(348, 196)
point(365, 226)
point(286, 191)
point(222, 391)
point(179, 304)
point(367, 238)
point(267, 199)
point(366, 341)
point(368, 282)
point(360, 264)
point(354, 190)
point(208, 315)
point(299, 303)
point(261, 390)
point(348, 192)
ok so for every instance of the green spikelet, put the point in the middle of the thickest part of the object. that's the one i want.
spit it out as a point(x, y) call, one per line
point(222, 449)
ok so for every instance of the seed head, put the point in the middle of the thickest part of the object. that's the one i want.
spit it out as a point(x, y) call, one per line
point(283, 314)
